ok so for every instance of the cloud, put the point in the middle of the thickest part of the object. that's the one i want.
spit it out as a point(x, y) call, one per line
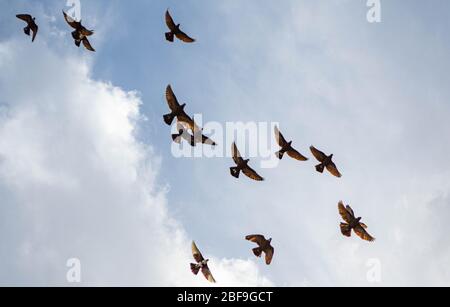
point(76, 182)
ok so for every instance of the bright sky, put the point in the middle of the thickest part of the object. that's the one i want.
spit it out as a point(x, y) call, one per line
point(87, 171)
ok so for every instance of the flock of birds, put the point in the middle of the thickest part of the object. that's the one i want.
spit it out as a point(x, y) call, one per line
point(189, 131)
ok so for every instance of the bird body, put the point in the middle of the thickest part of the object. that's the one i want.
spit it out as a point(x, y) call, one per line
point(31, 25)
point(177, 111)
point(242, 166)
point(264, 246)
point(286, 147)
point(325, 162)
point(352, 223)
point(81, 34)
point(201, 265)
point(175, 31)
point(193, 140)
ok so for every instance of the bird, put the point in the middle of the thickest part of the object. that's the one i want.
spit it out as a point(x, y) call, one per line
point(175, 31)
point(202, 264)
point(193, 140)
point(286, 147)
point(325, 162)
point(177, 111)
point(31, 25)
point(80, 35)
point(263, 246)
point(242, 165)
point(351, 222)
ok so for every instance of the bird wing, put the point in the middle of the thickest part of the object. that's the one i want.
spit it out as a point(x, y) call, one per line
point(71, 22)
point(86, 32)
point(320, 156)
point(258, 239)
point(196, 253)
point(87, 45)
point(350, 210)
point(251, 173)
point(169, 22)
point(331, 167)
point(236, 154)
point(269, 255)
point(35, 30)
point(184, 37)
point(363, 234)
point(279, 137)
point(345, 214)
point(25, 17)
point(296, 155)
point(207, 273)
point(172, 100)
point(206, 140)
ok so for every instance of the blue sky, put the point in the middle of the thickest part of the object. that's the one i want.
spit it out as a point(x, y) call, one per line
point(375, 95)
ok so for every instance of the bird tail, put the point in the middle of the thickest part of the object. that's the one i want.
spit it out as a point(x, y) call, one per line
point(195, 268)
point(75, 35)
point(176, 138)
point(77, 42)
point(169, 36)
point(168, 118)
point(257, 251)
point(320, 168)
point(280, 154)
point(235, 172)
point(26, 30)
point(346, 230)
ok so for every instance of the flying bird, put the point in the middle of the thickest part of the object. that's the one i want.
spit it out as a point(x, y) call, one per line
point(286, 147)
point(263, 246)
point(193, 140)
point(351, 222)
point(177, 111)
point(175, 31)
point(325, 162)
point(80, 35)
point(31, 25)
point(201, 265)
point(242, 165)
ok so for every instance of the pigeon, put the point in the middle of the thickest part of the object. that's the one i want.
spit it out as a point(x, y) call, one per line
point(201, 265)
point(351, 222)
point(286, 147)
point(80, 35)
point(31, 25)
point(193, 140)
point(177, 111)
point(242, 165)
point(175, 31)
point(325, 162)
point(263, 246)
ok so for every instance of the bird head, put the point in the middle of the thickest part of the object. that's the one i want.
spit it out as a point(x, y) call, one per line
point(246, 161)
point(183, 106)
point(270, 240)
point(359, 219)
point(178, 26)
point(331, 156)
point(290, 143)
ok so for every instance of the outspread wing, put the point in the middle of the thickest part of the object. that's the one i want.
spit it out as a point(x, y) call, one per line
point(350, 210)
point(331, 167)
point(196, 253)
point(236, 154)
point(206, 140)
point(296, 155)
point(172, 100)
point(184, 37)
point(269, 255)
point(207, 273)
point(280, 138)
point(345, 214)
point(35, 30)
point(252, 174)
point(71, 22)
point(363, 234)
point(169, 22)
point(87, 45)
point(320, 156)
point(25, 17)
point(258, 239)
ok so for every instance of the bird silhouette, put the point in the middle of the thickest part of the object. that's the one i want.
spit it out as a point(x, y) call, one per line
point(80, 35)
point(31, 25)
point(193, 140)
point(242, 165)
point(263, 246)
point(286, 147)
point(175, 31)
point(352, 223)
point(202, 264)
point(177, 111)
point(325, 162)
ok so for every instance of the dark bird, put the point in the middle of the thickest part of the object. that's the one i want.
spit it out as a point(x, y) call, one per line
point(286, 147)
point(263, 246)
point(175, 31)
point(325, 162)
point(202, 264)
point(242, 165)
point(31, 25)
point(351, 222)
point(193, 140)
point(80, 35)
point(177, 111)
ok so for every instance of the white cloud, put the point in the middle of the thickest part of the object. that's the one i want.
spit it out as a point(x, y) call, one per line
point(76, 183)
